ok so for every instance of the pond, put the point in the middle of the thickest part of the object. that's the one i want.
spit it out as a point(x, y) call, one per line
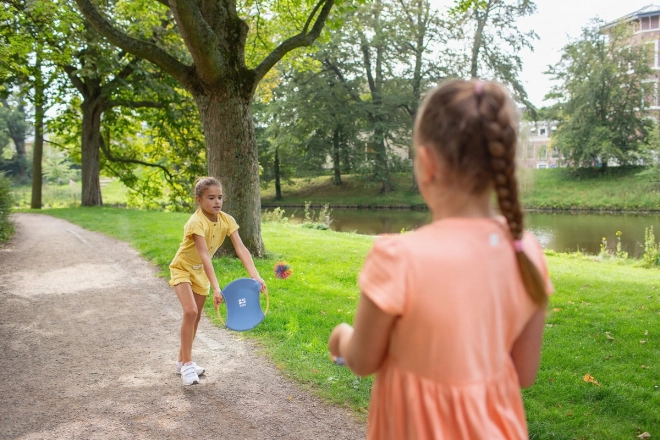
point(562, 232)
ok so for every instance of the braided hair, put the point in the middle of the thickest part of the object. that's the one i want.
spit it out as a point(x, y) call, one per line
point(471, 125)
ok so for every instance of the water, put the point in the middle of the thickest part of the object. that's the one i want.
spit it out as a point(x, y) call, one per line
point(562, 232)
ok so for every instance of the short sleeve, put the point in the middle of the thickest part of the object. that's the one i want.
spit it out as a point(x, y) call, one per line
point(194, 226)
point(382, 278)
point(232, 226)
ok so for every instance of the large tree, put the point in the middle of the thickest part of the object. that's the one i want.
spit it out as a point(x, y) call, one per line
point(495, 40)
point(604, 89)
point(216, 73)
point(25, 57)
point(104, 76)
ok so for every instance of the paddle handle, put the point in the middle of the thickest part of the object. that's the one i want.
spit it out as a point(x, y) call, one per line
point(217, 309)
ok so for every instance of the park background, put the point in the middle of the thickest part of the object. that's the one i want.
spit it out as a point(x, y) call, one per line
point(311, 111)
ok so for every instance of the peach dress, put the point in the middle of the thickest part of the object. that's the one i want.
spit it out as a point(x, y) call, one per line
point(460, 302)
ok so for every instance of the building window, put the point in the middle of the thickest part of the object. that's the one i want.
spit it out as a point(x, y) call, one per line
point(543, 152)
point(555, 153)
point(543, 131)
point(654, 22)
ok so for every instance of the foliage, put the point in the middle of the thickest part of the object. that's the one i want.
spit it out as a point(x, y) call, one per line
point(651, 256)
point(274, 216)
point(604, 97)
point(495, 41)
point(592, 300)
point(6, 202)
point(321, 221)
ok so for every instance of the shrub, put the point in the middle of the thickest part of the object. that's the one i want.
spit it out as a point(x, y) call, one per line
point(651, 256)
point(6, 202)
point(274, 216)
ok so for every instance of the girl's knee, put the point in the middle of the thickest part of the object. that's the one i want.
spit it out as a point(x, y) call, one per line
point(190, 314)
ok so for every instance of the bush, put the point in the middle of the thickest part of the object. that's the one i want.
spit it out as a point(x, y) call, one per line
point(6, 202)
point(651, 256)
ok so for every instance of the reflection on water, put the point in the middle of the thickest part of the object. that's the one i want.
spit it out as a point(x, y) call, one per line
point(561, 232)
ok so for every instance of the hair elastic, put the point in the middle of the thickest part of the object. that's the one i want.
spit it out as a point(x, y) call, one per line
point(518, 245)
point(478, 87)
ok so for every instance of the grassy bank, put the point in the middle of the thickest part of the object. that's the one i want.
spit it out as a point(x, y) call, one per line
point(605, 322)
point(618, 189)
point(60, 196)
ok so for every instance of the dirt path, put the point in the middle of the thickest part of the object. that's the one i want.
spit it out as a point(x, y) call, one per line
point(88, 339)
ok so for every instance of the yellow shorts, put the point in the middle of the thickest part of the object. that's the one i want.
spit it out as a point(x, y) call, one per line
point(193, 274)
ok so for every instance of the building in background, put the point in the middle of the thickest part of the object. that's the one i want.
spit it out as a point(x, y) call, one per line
point(646, 30)
point(534, 146)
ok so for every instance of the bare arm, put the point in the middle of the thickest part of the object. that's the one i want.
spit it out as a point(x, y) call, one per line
point(526, 351)
point(244, 255)
point(203, 250)
point(363, 348)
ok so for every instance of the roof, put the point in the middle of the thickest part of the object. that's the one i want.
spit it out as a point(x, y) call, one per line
point(644, 12)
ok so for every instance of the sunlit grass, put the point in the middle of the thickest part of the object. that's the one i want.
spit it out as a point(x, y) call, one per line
point(592, 297)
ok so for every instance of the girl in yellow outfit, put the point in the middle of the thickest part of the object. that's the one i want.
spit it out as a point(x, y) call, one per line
point(192, 271)
point(451, 316)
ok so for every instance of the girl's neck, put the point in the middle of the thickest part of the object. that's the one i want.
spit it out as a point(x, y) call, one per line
point(458, 203)
point(213, 218)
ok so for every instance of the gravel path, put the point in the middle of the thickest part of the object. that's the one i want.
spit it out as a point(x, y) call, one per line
point(88, 339)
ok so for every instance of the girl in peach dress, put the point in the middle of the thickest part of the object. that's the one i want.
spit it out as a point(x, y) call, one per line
point(451, 316)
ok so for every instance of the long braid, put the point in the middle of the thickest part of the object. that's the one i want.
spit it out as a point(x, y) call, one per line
point(500, 141)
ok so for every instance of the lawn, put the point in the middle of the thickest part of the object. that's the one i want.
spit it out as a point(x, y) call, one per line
point(604, 322)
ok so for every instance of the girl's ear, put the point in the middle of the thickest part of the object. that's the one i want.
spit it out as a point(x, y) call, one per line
point(427, 165)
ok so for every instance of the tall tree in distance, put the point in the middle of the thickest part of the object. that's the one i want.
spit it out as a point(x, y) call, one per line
point(604, 93)
point(25, 56)
point(495, 40)
point(221, 69)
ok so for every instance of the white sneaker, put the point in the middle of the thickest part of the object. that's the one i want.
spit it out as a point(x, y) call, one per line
point(199, 370)
point(189, 375)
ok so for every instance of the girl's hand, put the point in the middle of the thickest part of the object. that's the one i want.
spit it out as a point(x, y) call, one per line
point(217, 298)
point(339, 332)
point(260, 281)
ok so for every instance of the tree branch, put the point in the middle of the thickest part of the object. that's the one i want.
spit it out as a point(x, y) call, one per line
point(340, 76)
point(75, 80)
point(112, 158)
point(142, 49)
point(201, 41)
point(304, 38)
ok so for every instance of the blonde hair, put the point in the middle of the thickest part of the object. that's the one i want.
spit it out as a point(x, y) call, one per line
point(471, 125)
point(205, 182)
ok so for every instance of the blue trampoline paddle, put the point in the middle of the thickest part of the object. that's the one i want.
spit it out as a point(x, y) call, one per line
point(243, 306)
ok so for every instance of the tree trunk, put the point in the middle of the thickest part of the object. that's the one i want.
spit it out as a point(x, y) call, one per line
point(231, 150)
point(478, 38)
point(21, 158)
point(335, 157)
point(38, 147)
point(382, 168)
point(278, 186)
point(91, 140)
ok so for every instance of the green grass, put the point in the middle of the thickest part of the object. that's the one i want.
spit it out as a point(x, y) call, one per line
point(61, 196)
point(592, 297)
point(353, 191)
point(618, 189)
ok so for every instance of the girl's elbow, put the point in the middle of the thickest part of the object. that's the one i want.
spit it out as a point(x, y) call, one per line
point(363, 367)
point(527, 380)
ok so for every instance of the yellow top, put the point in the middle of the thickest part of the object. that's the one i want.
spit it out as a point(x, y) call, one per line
point(214, 234)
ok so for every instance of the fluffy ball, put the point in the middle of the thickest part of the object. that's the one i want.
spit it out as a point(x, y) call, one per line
point(282, 270)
